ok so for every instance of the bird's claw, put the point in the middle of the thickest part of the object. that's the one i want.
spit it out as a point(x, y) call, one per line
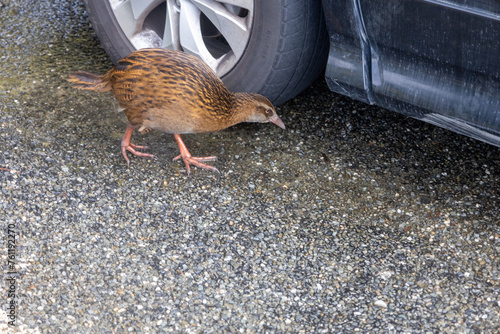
point(132, 148)
point(195, 161)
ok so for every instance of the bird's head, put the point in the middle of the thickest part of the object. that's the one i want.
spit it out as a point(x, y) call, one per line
point(258, 109)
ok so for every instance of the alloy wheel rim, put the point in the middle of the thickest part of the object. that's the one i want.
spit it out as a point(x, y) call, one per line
point(217, 31)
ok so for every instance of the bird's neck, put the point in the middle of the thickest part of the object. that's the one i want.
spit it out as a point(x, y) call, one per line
point(242, 107)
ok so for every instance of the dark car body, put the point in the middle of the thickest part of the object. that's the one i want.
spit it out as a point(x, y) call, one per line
point(434, 60)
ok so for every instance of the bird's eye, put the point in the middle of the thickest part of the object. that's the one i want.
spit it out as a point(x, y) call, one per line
point(269, 112)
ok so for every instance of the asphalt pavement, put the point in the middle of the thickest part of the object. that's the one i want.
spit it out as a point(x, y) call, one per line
point(353, 219)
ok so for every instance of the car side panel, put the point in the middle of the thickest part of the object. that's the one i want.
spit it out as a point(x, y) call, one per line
point(433, 60)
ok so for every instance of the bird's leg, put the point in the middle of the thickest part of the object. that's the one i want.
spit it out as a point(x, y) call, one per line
point(190, 160)
point(128, 146)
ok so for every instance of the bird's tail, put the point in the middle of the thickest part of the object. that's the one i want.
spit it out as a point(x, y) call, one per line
point(85, 80)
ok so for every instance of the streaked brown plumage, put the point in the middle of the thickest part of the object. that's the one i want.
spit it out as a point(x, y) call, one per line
point(177, 93)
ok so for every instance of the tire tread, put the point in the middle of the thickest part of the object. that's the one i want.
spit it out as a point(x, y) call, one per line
point(302, 52)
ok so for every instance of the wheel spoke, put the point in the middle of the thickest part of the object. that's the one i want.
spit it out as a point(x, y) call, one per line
point(190, 32)
point(130, 14)
point(235, 29)
point(171, 35)
point(192, 39)
point(125, 17)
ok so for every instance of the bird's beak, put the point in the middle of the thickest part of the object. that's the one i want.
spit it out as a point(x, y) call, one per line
point(276, 120)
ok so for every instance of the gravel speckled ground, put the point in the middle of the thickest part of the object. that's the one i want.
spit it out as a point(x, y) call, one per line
point(354, 219)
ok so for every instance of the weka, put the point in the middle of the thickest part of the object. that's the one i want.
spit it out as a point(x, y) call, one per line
point(177, 93)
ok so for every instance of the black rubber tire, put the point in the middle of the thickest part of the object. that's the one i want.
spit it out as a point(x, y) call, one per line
point(286, 52)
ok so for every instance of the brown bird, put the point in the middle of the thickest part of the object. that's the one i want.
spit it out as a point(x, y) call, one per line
point(177, 93)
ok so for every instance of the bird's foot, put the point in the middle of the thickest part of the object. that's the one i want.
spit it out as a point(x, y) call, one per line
point(132, 148)
point(190, 160)
point(195, 161)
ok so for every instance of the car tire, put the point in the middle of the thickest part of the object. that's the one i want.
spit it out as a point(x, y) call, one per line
point(286, 51)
